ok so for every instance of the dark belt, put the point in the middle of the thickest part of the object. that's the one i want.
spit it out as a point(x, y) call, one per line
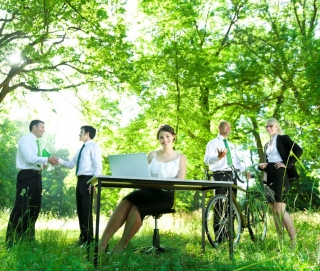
point(34, 171)
point(167, 190)
point(225, 175)
point(220, 172)
point(84, 176)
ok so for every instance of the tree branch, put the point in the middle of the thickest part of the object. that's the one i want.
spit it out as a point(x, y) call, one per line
point(66, 63)
point(12, 36)
point(35, 89)
point(14, 71)
point(314, 16)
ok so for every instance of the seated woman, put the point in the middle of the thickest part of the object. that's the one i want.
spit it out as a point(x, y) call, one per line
point(163, 163)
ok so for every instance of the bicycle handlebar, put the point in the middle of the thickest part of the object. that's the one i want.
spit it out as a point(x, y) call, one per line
point(234, 173)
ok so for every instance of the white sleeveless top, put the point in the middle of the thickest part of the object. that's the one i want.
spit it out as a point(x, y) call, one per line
point(164, 170)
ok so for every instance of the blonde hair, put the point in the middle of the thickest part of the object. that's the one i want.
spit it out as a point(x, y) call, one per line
point(274, 122)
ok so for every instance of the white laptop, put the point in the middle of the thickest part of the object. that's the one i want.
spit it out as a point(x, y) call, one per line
point(129, 165)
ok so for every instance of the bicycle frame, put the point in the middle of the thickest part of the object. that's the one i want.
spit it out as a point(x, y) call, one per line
point(252, 216)
point(244, 221)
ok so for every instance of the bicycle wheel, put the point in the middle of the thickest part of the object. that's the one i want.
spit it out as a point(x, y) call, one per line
point(217, 221)
point(257, 218)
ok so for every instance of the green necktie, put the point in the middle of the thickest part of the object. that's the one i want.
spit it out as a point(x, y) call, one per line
point(229, 159)
point(39, 149)
point(78, 160)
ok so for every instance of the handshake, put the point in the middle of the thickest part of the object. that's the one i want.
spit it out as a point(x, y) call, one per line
point(53, 160)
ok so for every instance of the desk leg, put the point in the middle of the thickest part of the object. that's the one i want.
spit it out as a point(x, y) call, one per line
point(230, 223)
point(96, 237)
point(90, 215)
point(203, 243)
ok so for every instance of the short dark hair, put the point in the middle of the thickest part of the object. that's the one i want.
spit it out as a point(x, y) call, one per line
point(90, 130)
point(34, 122)
point(165, 128)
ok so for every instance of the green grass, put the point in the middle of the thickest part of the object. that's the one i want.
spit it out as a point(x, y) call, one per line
point(55, 249)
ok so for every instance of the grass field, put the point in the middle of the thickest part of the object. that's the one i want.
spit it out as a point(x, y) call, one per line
point(55, 248)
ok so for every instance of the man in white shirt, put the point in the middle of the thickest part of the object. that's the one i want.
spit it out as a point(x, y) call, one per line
point(88, 162)
point(27, 205)
point(216, 154)
point(216, 157)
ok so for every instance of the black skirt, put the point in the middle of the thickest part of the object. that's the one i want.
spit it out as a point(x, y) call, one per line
point(151, 201)
point(278, 181)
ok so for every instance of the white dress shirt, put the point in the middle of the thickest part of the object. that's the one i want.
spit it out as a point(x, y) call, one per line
point(27, 153)
point(211, 156)
point(272, 152)
point(90, 162)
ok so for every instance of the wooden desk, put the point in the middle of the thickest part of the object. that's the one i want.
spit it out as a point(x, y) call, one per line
point(154, 183)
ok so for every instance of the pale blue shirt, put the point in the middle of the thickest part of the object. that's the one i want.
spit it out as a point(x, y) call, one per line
point(90, 162)
point(27, 153)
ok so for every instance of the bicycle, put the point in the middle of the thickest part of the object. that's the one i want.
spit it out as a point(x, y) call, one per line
point(253, 216)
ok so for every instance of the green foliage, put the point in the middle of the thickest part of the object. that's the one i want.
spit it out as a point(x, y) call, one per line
point(58, 196)
point(305, 192)
point(60, 45)
point(189, 64)
point(10, 133)
point(196, 64)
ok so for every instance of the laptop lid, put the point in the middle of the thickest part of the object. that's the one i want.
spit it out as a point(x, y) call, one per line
point(129, 165)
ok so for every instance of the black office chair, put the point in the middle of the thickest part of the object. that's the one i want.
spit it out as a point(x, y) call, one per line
point(156, 248)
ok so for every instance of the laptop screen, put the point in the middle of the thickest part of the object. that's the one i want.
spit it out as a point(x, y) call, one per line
point(129, 165)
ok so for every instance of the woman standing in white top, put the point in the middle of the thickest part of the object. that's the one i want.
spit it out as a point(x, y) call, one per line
point(281, 153)
point(163, 163)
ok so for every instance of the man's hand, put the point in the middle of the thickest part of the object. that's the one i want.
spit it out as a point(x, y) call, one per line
point(89, 189)
point(222, 153)
point(263, 165)
point(53, 160)
point(248, 175)
point(279, 165)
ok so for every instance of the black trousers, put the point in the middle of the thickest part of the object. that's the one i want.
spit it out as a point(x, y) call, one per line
point(83, 210)
point(27, 206)
point(222, 235)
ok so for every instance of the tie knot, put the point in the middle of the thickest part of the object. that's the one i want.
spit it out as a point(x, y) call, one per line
point(225, 140)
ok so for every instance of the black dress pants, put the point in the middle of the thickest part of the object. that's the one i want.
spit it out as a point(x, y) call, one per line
point(27, 206)
point(83, 210)
point(222, 234)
